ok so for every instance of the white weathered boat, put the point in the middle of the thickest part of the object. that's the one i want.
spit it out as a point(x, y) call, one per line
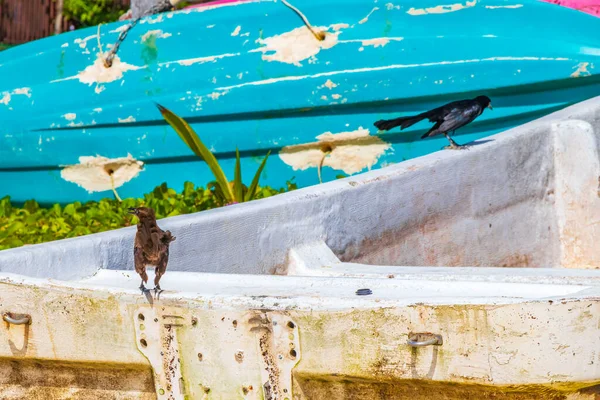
point(261, 297)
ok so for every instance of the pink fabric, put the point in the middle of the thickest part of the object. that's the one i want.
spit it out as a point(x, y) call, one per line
point(212, 3)
point(587, 6)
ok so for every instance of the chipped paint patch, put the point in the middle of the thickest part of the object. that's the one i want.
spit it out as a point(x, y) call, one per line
point(509, 6)
point(337, 27)
point(329, 84)
point(336, 96)
point(65, 45)
point(490, 36)
point(582, 70)
point(234, 4)
point(97, 110)
point(94, 173)
point(98, 73)
point(70, 116)
point(386, 67)
point(365, 19)
point(119, 29)
point(127, 120)
point(350, 152)
point(23, 91)
point(296, 45)
point(83, 42)
point(210, 26)
point(236, 31)
point(156, 33)
point(375, 42)
point(199, 60)
point(390, 6)
point(6, 97)
point(442, 9)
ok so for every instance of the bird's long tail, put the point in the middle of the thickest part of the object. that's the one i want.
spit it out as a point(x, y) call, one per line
point(403, 122)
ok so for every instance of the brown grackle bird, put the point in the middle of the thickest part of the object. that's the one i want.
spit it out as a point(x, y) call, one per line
point(448, 118)
point(151, 246)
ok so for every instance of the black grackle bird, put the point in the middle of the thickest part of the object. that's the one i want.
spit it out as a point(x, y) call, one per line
point(447, 118)
point(151, 246)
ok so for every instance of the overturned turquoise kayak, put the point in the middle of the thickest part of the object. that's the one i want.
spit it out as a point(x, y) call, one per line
point(251, 75)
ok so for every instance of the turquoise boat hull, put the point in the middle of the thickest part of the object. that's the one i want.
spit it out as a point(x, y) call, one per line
point(250, 75)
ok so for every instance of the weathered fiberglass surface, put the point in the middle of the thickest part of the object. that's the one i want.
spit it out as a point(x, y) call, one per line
point(250, 75)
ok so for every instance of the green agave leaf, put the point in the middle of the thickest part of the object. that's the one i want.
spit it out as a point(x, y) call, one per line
point(252, 189)
point(238, 190)
point(191, 139)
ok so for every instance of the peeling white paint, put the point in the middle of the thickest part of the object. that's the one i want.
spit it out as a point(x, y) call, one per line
point(127, 120)
point(508, 6)
point(94, 173)
point(6, 97)
point(350, 152)
point(98, 73)
point(375, 42)
point(386, 67)
point(70, 116)
point(337, 27)
point(582, 70)
point(296, 45)
point(157, 33)
point(25, 91)
point(390, 6)
point(236, 31)
point(119, 29)
point(365, 19)
point(199, 60)
point(216, 95)
point(98, 110)
point(442, 9)
point(151, 21)
point(83, 42)
point(65, 45)
point(329, 84)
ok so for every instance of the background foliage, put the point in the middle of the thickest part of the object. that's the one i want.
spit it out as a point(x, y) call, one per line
point(31, 224)
point(84, 13)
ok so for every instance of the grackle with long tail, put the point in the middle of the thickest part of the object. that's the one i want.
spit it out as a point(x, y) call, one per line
point(151, 247)
point(448, 118)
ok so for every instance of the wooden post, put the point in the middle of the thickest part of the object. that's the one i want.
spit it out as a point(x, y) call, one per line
point(58, 21)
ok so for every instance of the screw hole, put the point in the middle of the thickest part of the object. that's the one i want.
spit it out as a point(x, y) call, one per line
point(293, 353)
point(141, 317)
point(291, 325)
point(200, 356)
point(143, 343)
point(234, 323)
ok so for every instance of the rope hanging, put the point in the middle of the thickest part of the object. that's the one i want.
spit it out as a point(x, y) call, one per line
point(319, 35)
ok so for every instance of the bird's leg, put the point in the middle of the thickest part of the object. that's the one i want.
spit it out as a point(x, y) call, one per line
point(157, 291)
point(143, 288)
point(453, 145)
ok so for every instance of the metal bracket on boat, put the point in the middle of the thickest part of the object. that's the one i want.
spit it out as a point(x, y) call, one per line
point(424, 339)
point(17, 319)
point(156, 338)
point(279, 342)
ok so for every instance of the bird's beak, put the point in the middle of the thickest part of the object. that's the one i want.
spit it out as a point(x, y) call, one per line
point(132, 211)
point(490, 106)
